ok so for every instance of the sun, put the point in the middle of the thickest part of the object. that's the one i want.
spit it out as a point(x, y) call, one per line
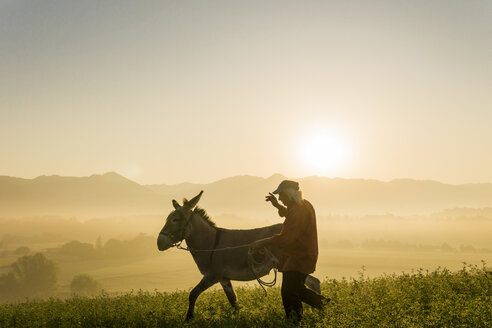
point(323, 152)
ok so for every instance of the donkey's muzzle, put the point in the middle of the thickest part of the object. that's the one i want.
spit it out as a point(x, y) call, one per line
point(163, 242)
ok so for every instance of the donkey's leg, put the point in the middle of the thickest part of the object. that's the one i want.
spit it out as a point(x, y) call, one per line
point(230, 293)
point(203, 285)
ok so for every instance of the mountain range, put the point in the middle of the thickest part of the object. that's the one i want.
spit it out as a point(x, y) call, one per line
point(111, 194)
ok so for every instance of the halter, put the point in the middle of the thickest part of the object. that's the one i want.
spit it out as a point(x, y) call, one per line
point(183, 231)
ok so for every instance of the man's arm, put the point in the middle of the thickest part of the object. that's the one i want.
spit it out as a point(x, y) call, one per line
point(293, 227)
point(259, 244)
point(282, 210)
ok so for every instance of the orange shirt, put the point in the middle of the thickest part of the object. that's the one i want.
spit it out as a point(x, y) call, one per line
point(298, 240)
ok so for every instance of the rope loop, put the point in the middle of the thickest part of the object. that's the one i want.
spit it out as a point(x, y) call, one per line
point(251, 264)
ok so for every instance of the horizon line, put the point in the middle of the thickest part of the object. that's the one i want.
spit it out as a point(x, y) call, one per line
point(243, 175)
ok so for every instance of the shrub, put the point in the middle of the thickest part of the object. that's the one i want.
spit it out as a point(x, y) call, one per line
point(85, 285)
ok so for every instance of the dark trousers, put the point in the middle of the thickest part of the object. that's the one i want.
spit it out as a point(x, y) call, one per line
point(294, 293)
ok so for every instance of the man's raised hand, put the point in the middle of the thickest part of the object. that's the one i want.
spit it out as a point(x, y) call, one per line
point(272, 199)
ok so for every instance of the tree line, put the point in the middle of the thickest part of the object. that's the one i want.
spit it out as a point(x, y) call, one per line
point(36, 275)
point(140, 246)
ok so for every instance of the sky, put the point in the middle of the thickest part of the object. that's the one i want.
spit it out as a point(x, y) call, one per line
point(196, 91)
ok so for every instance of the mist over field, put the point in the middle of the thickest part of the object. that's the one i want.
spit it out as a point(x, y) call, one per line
point(118, 253)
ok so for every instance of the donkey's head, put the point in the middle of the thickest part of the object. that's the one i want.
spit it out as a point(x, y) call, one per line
point(178, 223)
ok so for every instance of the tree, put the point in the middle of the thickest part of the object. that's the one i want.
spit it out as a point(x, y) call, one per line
point(8, 286)
point(85, 285)
point(76, 248)
point(35, 275)
point(23, 250)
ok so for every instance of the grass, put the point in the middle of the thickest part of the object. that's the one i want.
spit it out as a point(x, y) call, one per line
point(422, 298)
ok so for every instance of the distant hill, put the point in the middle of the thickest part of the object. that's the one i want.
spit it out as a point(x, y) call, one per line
point(246, 194)
point(107, 194)
point(112, 194)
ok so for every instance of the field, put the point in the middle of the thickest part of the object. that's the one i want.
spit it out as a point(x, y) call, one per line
point(175, 269)
point(398, 245)
point(439, 298)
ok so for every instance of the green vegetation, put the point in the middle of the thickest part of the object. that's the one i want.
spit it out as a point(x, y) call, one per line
point(418, 299)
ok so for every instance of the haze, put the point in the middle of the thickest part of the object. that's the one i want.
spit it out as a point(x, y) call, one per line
point(167, 92)
point(105, 226)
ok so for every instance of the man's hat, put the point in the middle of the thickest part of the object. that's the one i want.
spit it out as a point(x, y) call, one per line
point(286, 184)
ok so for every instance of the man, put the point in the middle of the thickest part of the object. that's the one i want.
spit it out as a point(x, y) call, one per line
point(298, 242)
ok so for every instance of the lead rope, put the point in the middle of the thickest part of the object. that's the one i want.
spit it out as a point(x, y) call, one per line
point(251, 261)
point(262, 283)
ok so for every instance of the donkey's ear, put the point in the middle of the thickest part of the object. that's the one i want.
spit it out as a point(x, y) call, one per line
point(176, 204)
point(192, 202)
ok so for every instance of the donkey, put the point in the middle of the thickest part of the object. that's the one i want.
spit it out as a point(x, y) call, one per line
point(220, 254)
